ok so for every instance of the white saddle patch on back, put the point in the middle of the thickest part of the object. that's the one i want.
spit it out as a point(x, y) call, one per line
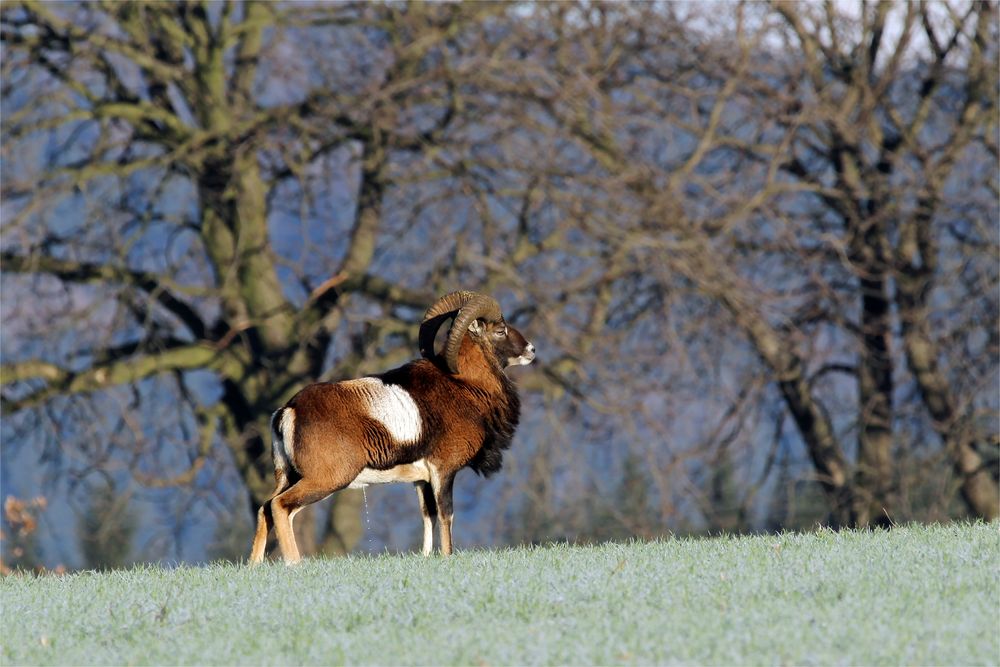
point(393, 407)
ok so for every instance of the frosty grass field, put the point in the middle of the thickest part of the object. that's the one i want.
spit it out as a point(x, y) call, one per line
point(914, 595)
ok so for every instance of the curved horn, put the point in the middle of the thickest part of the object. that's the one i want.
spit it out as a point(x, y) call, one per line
point(436, 315)
point(469, 307)
point(480, 306)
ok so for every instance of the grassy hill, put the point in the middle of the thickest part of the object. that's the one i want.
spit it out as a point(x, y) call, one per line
point(915, 595)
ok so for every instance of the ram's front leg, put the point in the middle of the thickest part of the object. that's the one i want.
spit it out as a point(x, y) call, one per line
point(442, 485)
point(428, 509)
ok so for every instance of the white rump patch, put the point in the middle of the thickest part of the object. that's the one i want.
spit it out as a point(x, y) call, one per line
point(418, 471)
point(394, 407)
point(288, 433)
point(283, 441)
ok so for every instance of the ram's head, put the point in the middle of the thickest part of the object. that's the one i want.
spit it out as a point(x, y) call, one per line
point(479, 316)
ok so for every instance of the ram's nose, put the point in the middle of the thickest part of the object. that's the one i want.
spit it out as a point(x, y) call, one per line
point(529, 354)
point(525, 358)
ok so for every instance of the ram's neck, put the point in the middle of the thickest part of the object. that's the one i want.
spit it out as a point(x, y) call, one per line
point(480, 369)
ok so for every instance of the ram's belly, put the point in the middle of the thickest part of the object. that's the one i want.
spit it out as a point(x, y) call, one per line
point(418, 471)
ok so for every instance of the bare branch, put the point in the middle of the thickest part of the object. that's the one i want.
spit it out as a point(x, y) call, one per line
point(160, 288)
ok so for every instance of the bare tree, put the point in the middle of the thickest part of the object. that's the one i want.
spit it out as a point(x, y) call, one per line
point(887, 129)
point(176, 132)
point(809, 174)
point(747, 245)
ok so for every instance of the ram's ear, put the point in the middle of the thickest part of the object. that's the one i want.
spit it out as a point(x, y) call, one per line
point(476, 328)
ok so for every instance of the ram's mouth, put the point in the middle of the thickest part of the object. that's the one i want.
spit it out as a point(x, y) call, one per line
point(523, 360)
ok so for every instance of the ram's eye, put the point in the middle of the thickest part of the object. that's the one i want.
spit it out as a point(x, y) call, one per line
point(501, 333)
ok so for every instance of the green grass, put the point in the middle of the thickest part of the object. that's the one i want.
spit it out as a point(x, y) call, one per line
point(915, 595)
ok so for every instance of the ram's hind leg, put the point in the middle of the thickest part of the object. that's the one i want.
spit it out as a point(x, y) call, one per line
point(304, 492)
point(285, 506)
point(428, 510)
point(265, 521)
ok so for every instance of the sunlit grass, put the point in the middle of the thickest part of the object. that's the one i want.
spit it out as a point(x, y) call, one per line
point(916, 595)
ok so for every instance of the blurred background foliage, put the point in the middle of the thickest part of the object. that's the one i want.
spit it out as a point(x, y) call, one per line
point(755, 244)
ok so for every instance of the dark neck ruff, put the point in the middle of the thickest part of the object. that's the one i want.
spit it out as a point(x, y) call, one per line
point(501, 422)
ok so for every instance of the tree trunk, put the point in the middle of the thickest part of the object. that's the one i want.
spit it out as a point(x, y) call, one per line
point(979, 490)
point(344, 527)
point(917, 258)
point(871, 501)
